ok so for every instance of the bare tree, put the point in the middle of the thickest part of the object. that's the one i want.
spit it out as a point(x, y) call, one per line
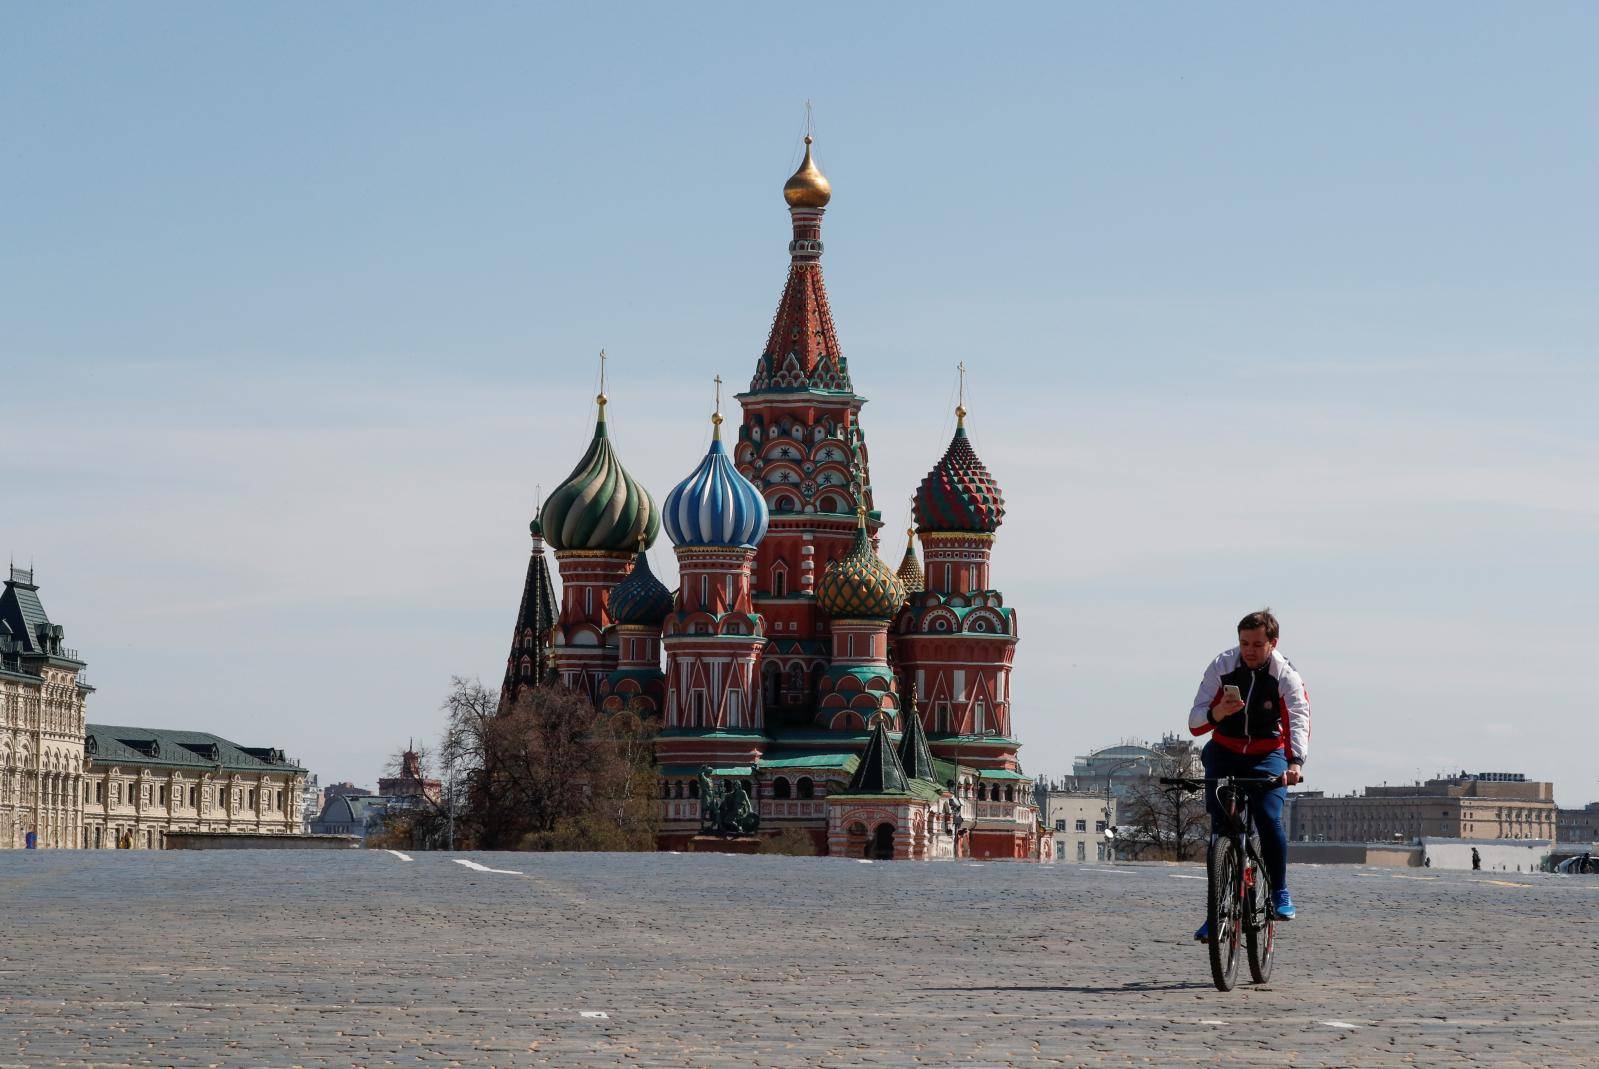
point(548, 771)
point(1162, 823)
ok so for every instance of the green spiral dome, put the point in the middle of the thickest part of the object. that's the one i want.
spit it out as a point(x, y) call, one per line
point(600, 506)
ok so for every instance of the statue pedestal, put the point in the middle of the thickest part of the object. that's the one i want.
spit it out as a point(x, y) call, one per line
point(716, 844)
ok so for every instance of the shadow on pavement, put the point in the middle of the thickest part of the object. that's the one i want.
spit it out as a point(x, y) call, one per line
point(1083, 989)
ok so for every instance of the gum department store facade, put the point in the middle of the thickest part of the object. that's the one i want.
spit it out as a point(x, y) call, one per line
point(864, 706)
point(77, 784)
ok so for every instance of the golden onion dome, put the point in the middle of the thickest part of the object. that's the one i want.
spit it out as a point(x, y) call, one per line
point(807, 187)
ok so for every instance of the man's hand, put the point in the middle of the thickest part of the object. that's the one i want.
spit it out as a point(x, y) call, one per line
point(1226, 707)
point(1292, 776)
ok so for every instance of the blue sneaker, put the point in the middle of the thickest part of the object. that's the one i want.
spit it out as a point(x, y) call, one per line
point(1283, 906)
point(1203, 934)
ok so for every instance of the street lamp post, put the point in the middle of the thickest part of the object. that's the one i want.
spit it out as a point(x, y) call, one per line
point(1110, 832)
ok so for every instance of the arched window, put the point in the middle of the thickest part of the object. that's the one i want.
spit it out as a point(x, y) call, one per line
point(982, 792)
point(693, 788)
point(780, 787)
point(784, 503)
point(807, 789)
point(1010, 795)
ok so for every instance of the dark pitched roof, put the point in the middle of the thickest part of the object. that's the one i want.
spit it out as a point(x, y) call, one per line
point(22, 612)
point(534, 619)
point(879, 771)
point(106, 744)
point(914, 754)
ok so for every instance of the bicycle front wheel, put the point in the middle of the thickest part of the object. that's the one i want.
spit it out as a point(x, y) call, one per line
point(1261, 932)
point(1224, 911)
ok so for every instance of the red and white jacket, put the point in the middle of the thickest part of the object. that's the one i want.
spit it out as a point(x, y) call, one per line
point(1276, 712)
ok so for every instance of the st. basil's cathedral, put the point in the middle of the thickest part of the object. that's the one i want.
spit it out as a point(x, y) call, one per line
point(866, 706)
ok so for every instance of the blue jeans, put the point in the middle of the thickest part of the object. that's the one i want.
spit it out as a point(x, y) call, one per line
point(1265, 802)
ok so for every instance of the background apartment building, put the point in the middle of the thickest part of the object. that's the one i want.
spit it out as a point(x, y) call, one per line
point(1077, 822)
point(1485, 805)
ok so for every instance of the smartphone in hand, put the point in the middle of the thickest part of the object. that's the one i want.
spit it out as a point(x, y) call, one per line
point(1230, 692)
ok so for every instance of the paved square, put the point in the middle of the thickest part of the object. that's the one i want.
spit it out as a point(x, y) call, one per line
point(345, 959)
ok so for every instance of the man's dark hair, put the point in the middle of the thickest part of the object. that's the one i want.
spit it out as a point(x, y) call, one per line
point(1261, 618)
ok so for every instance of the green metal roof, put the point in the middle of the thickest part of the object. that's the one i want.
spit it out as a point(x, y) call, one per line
point(778, 759)
point(107, 744)
point(999, 773)
point(726, 772)
point(983, 740)
point(710, 733)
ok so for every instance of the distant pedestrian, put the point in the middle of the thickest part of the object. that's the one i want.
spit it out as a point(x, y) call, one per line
point(1476, 860)
point(31, 840)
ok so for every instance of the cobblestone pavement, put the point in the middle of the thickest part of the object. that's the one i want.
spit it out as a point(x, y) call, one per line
point(345, 959)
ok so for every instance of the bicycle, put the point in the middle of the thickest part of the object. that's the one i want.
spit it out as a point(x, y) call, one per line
point(1238, 899)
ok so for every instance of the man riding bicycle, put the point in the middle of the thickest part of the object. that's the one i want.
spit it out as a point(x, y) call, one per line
point(1255, 708)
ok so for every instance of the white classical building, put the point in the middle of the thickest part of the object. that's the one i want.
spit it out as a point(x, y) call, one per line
point(42, 693)
point(144, 783)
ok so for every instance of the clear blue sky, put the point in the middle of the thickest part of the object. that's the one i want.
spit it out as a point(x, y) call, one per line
point(1290, 306)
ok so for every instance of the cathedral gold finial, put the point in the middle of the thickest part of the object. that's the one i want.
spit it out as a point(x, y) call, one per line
point(807, 187)
point(602, 399)
point(960, 405)
point(716, 417)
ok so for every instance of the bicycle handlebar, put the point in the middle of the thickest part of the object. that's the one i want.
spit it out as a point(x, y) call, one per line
point(1196, 783)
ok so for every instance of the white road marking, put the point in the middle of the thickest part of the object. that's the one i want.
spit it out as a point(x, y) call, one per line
point(475, 867)
point(863, 861)
point(1180, 876)
point(1118, 872)
point(1212, 1022)
point(1341, 1024)
point(402, 857)
point(601, 1014)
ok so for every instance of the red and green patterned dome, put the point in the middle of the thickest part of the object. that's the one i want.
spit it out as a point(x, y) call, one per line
point(959, 494)
point(859, 586)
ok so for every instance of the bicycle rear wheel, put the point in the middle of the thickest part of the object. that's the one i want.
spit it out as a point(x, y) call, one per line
point(1224, 911)
point(1261, 932)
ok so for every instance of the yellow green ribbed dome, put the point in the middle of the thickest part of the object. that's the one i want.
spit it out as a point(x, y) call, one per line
point(859, 585)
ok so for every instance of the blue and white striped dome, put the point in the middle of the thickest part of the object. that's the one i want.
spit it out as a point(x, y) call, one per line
point(715, 505)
